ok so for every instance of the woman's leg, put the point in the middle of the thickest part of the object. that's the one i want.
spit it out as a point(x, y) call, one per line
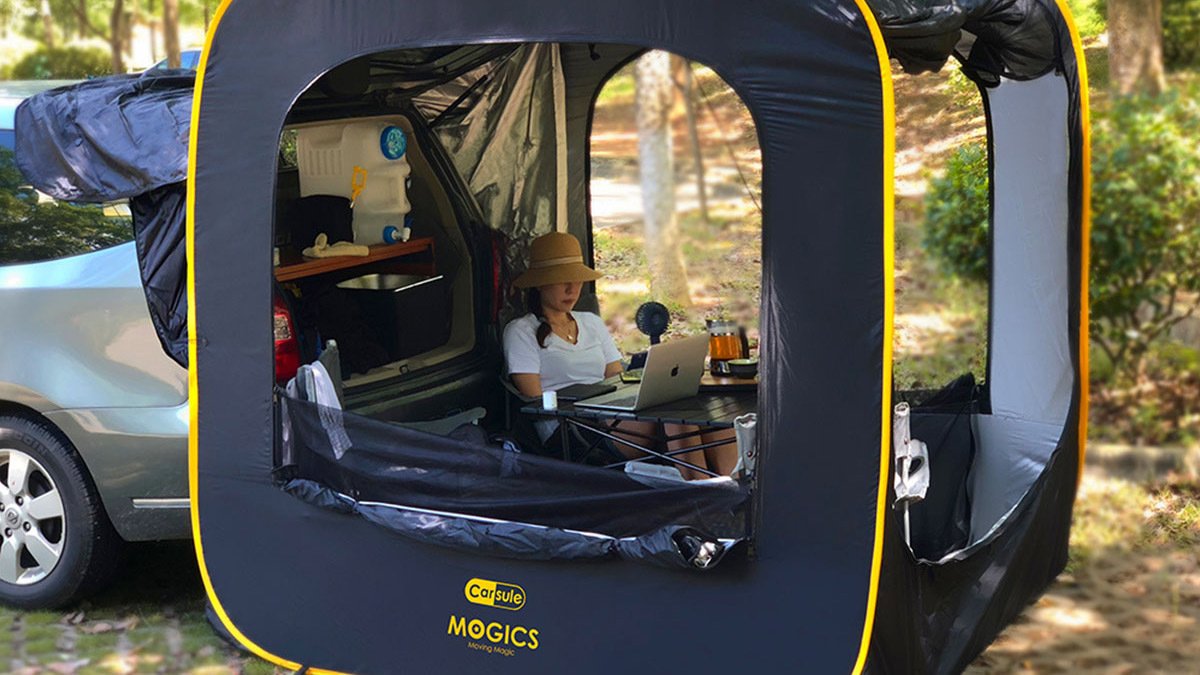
point(643, 433)
point(647, 434)
point(693, 439)
point(721, 458)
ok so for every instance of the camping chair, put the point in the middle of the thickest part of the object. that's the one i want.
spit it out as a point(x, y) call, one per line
point(522, 431)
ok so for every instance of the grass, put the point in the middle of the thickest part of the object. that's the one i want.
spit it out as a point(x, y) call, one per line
point(1118, 515)
point(151, 621)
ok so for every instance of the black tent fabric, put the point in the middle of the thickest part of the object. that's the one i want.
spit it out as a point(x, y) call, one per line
point(829, 584)
point(376, 461)
point(122, 137)
point(809, 587)
point(336, 570)
point(673, 546)
point(107, 139)
point(1017, 39)
point(162, 262)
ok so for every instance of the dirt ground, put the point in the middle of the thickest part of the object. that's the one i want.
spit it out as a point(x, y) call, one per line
point(1130, 600)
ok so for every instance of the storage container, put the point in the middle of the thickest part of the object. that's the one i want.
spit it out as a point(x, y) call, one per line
point(409, 313)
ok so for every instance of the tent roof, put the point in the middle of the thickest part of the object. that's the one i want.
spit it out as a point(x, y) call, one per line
point(1017, 39)
point(132, 147)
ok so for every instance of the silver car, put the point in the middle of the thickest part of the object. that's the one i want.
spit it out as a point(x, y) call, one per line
point(93, 413)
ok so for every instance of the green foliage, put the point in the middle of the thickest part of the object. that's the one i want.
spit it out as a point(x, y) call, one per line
point(963, 90)
point(956, 215)
point(1159, 408)
point(63, 63)
point(1181, 34)
point(618, 89)
point(1090, 16)
point(1145, 238)
point(1100, 368)
point(1145, 233)
point(31, 232)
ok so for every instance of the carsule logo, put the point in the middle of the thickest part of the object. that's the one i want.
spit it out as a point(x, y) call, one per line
point(487, 635)
point(495, 594)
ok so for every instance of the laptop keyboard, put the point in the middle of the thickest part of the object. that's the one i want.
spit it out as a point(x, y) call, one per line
point(623, 402)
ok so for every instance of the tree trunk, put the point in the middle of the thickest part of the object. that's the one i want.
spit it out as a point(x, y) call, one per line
point(1135, 53)
point(664, 251)
point(689, 102)
point(47, 24)
point(116, 40)
point(170, 29)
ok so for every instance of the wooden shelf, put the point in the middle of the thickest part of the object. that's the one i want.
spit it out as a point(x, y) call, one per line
point(297, 267)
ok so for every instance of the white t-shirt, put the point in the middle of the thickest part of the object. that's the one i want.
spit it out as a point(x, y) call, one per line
point(560, 363)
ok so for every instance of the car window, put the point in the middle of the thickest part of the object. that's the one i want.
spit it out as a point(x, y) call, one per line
point(35, 228)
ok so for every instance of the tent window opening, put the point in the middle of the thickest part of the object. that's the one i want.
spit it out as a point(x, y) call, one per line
point(675, 179)
point(411, 189)
point(981, 325)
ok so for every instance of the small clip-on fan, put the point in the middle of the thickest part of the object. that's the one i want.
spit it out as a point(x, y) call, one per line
point(652, 318)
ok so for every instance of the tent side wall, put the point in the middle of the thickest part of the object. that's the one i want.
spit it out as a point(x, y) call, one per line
point(936, 615)
point(359, 600)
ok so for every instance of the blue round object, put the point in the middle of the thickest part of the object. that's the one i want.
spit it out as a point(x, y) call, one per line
point(393, 142)
point(391, 234)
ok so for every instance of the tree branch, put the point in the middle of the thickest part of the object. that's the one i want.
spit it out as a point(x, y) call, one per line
point(86, 22)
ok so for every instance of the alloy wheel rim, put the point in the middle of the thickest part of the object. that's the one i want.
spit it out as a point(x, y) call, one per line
point(32, 521)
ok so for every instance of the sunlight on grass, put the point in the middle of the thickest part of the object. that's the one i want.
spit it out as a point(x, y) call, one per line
point(1108, 515)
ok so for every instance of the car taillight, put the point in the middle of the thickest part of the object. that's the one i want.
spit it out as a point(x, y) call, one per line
point(287, 346)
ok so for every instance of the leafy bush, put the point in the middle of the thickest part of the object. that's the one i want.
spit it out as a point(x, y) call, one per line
point(956, 214)
point(1159, 410)
point(63, 63)
point(1181, 34)
point(1145, 211)
point(1145, 222)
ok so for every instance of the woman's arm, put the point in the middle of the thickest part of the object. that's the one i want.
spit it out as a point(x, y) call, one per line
point(523, 357)
point(611, 369)
point(612, 355)
point(529, 384)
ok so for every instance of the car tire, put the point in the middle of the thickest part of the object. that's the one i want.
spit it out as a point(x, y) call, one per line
point(56, 542)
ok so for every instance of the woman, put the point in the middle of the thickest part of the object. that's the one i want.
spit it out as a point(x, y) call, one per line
point(553, 347)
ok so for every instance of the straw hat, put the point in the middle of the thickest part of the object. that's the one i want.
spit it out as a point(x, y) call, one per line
point(555, 258)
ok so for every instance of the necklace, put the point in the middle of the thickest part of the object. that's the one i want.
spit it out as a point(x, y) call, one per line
point(568, 331)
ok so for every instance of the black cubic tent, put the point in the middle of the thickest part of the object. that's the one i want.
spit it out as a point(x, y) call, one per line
point(339, 543)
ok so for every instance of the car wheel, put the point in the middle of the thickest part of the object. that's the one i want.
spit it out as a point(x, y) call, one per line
point(58, 544)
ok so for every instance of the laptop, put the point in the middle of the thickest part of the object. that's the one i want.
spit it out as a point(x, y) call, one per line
point(673, 370)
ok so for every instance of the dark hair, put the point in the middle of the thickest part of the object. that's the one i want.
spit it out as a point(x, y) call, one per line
point(533, 303)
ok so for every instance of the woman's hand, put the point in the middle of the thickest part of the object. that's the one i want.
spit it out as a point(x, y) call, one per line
point(613, 368)
point(529, 384)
